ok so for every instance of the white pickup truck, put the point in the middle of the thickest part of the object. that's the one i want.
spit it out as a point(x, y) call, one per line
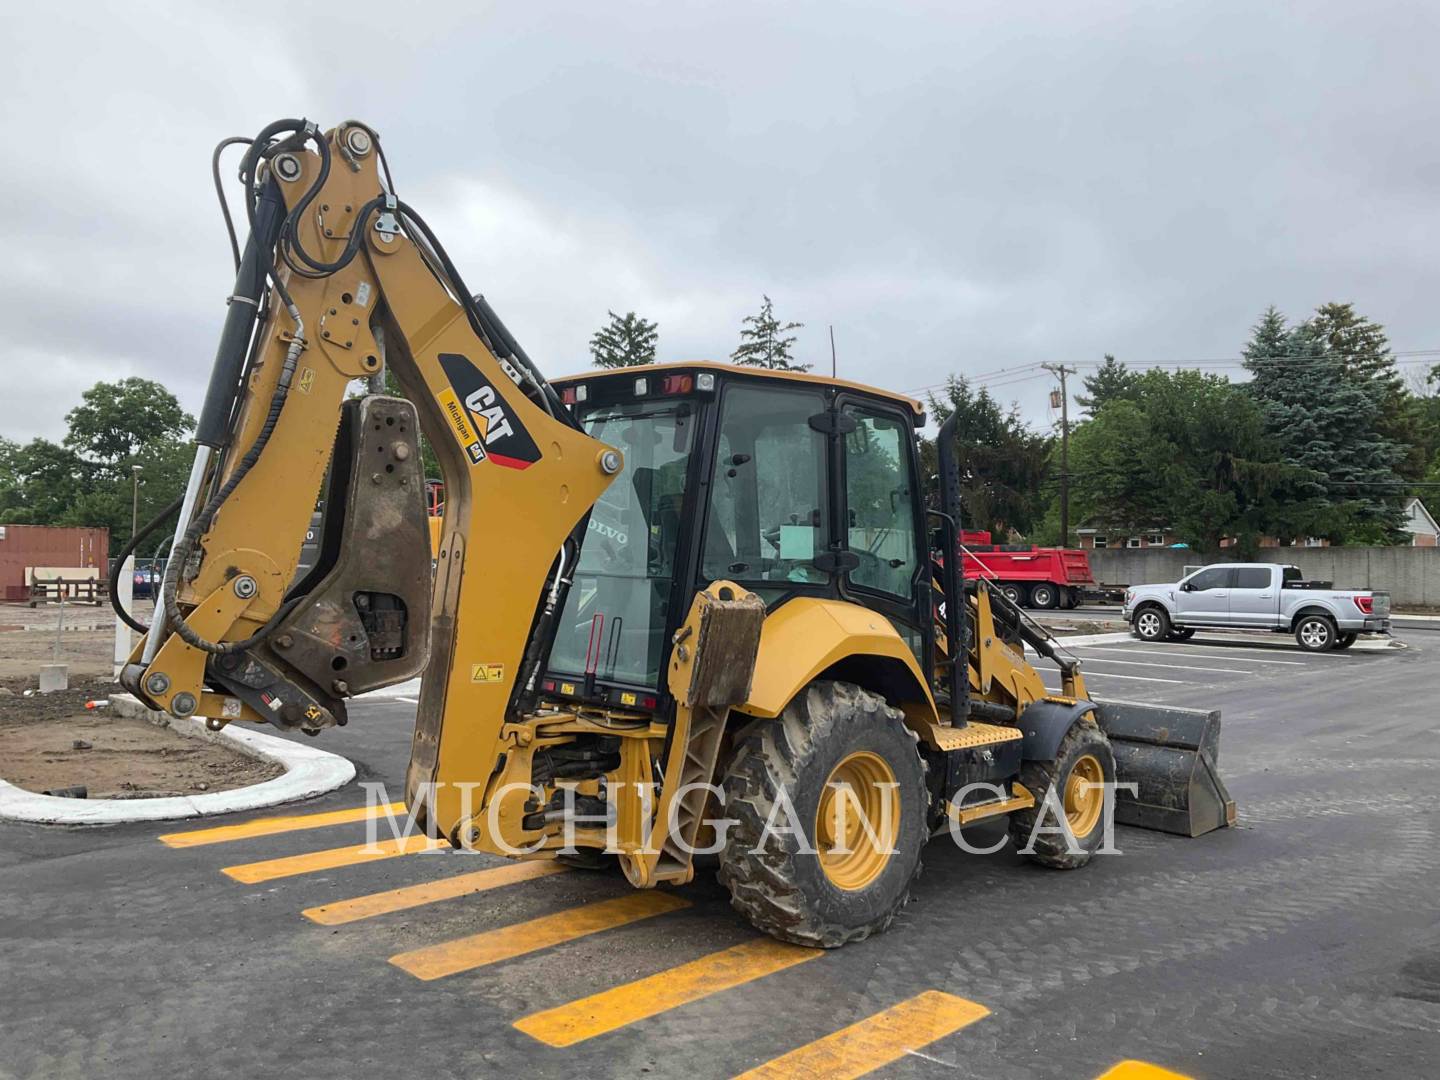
point(1257, 596)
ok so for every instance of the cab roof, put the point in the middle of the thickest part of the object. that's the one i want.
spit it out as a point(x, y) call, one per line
point(744, 372)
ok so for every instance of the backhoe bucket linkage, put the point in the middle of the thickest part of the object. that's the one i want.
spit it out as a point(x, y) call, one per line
point(1172, 756)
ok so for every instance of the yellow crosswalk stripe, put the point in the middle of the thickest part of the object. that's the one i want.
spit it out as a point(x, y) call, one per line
point(429, 892)
point(875, 1041)
point(1139, 1070)
point(332, 859)
point(275, 825)
point(507, 942)
point(579, 1020)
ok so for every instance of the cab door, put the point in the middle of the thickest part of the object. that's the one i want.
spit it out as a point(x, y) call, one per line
point(1254, 596)
point(1205, 597)
point(883, 519)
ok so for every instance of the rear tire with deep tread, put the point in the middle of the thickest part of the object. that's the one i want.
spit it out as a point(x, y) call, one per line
point(780, 889)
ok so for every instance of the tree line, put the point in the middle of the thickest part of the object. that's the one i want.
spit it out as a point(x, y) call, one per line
point(1324, 440)
point(89, 477)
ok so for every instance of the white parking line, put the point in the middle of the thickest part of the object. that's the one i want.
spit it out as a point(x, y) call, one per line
point(1174, 650)
point(1132, 678)
point(1169, 667)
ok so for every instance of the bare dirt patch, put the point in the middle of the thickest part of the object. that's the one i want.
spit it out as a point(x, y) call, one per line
point(86, 639)
point(117, 757)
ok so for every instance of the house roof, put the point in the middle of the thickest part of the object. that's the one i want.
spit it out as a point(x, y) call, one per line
point(1412, 504)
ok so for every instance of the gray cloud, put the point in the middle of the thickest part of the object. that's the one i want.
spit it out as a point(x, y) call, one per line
point(956, 187)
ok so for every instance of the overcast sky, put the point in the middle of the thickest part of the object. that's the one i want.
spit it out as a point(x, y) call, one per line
point(957, 187)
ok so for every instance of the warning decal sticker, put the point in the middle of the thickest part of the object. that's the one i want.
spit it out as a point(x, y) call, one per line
point(487, 673)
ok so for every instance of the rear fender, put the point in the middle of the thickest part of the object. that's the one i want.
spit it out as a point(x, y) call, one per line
point(1045, 724)
point(1313, 608)
point(808, 638)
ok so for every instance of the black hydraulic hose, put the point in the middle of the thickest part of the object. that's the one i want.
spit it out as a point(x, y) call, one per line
point(126, 552)
point(487, 325)
point(202, 521)
point(220, 191)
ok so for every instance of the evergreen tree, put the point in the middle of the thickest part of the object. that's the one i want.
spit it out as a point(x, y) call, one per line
point(1323, 411)
point(763, 342)
point(1364, 350)
point(1111, 381)
point(625, 341)
point(1003, 462)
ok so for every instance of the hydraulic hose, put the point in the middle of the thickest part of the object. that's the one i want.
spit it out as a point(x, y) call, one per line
point(127, 551)
point(202, 521)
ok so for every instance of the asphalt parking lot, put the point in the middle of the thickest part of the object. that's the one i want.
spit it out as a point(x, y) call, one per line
point(1304, 943)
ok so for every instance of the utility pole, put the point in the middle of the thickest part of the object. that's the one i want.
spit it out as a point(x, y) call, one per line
point(134, 499)
point(1061, 370)
point(832, 350)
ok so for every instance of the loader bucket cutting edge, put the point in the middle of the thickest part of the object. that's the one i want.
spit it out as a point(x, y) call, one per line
point(1172, 756)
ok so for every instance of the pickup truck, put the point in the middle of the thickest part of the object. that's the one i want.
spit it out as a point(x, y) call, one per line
point(1257, 596)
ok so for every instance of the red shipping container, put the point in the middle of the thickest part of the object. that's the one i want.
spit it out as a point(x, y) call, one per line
point(48, 545)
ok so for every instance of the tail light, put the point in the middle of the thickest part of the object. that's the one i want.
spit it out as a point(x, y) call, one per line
point(677, 384)
point(1365, 603)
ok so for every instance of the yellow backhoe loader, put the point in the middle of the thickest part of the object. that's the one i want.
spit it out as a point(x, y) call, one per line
point(673, 608)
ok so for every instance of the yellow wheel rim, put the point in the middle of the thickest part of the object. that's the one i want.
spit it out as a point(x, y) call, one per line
point(1084, 797)
point(860, 789)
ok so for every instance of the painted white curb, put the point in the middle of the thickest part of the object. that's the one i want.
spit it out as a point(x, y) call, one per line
point(308, 772)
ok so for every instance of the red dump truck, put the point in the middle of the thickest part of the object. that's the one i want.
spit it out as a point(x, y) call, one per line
point(1030, 576)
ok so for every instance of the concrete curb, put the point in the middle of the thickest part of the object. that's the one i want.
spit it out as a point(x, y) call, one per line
point(308, 772)
point(1089, 639)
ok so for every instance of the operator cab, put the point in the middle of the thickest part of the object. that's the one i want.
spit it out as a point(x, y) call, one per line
point(743, 474)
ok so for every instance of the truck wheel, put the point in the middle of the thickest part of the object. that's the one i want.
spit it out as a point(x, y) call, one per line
point(1315, 633)
point(838, 755)
point(1344, 641)
point(1012, 593)
point(1044, 596)
point(1181, 634)
point(1152, 623)
point(1083, 762)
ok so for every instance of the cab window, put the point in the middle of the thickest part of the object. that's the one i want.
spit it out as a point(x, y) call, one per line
point(767, 519)
point(1217, 577)
point(1252, 577)
point(880, 502)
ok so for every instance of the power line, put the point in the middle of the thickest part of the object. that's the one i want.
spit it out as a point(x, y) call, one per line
point(1026, 372)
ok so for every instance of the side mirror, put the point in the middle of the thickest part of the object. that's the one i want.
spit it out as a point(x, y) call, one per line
point(1187, 587)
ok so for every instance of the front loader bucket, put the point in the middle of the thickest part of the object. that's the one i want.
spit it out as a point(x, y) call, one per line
point(1172, 756)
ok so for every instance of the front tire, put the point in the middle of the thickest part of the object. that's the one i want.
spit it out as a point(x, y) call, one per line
point(1152, 623)
point(833, 735)
point(1083, 761)
point(1316, 633)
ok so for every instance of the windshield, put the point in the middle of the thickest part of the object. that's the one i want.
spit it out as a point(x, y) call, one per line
point(614, 620)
